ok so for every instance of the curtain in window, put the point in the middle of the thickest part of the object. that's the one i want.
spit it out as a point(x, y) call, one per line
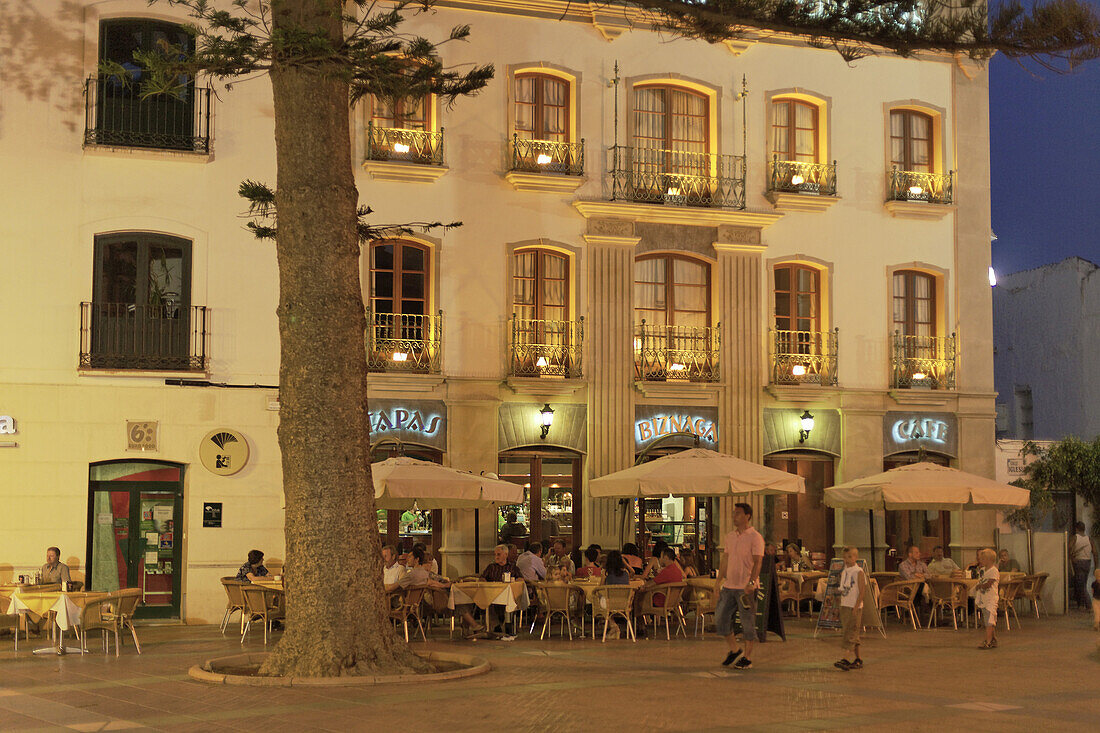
point(650, 290)
point(542, 106)
point(406, 114)
point(670, 120)
point(911, 141)
point(794, 131)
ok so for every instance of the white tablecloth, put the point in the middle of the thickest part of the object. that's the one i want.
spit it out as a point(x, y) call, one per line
point(484, 594)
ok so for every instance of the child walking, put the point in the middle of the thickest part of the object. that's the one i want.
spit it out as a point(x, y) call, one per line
point(853, 585)
point(986, 596)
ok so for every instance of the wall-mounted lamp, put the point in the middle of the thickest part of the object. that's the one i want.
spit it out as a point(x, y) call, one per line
point(546, 419)
point(807, 421)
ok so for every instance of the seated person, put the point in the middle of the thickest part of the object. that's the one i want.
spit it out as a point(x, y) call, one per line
point(632, 557)
point(974, 568)
point(670, 572)
point(1005, 563)
point(792, 560)
point(511, 529)
point(550, 528)
point(418, 573)
point(493, 573)
point(392, 571)
point(940, 564)
point(590, 568)
point(254, 568)
point(55, 571)
point(653, 566)
point(559, 558)
point(429, 561)
point(530, 563)
point(770, 550)
point(913, 568)
point(688, 563)
point(617, 571)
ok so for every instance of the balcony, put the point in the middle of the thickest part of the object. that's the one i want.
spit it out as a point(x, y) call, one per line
point(116, 115)
point(797, 186)
point(675, 353)
point(125, 336)
point(924, 362)
point(545, 165)
point(677, 177)
point(804, 357)
point(929, 188)
point(542, 348)
point(401, 154)
point(402, 342)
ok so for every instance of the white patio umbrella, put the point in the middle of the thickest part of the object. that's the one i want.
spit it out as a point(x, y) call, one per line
point(401, 482)
point(696, 472)
point(923, 485)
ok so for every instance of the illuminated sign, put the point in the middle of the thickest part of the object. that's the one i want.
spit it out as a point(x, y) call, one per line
point(652, 422)
point(410, 421)
point(7, 425)
point(911, 431)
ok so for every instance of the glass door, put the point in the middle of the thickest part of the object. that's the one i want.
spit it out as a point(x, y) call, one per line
point(551, 506)
point(135, 510)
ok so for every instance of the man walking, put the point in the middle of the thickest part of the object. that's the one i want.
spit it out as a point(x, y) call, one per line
point(1082, 551)
point(739, 577)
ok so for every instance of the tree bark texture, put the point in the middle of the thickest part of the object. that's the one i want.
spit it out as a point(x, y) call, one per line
point(337, 610)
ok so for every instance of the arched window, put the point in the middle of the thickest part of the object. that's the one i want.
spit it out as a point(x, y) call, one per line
point(542, 107)
point(410, 113)
point(797, 298)
point(540, 285)
point(794, 125)
point(911, 140)
point(671, 134)
point(914, 303)
point(672, 290)
point(399, 278)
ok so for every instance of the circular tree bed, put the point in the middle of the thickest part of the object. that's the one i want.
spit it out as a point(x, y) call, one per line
point(242, 669)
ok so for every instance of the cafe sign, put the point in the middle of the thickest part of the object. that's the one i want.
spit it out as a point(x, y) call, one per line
point(936, 432)
point(423, 422)
point(654, 422)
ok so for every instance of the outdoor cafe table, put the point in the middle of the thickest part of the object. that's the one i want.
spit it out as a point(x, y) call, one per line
point(66, 607)
point(483, 594)
point(270, 582)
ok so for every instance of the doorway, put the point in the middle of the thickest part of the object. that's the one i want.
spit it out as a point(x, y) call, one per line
point(404, 528)
point(925, 528)
point(551, 481)
point(135, 515)
point(803, 518)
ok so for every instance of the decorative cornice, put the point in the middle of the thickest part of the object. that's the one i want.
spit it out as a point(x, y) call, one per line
point(800, 201)
point(384, 170)
point(801, 393)
point(544, 182)
point(918, 210)
point(924, 397)
point(384, 383)
point(544, 386)
point(685, 215)
point(678, 390)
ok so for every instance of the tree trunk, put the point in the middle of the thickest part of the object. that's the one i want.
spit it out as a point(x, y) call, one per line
point(337, 610)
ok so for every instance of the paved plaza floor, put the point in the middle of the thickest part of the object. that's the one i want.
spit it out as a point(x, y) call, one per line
point(1045, 676)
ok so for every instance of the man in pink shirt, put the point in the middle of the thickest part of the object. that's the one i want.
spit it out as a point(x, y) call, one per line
point(739, 576)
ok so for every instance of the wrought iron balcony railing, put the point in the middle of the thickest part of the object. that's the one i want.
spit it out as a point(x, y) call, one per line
point(677, 177)
point(931, 188)
point(804, 357)
point(116, 114)
point(673, 353)
point(547, 156)
point(542, 348)
point(792, 176)
point(403, 145)
point(924, 362)
point(164, 337)
point(402, 342)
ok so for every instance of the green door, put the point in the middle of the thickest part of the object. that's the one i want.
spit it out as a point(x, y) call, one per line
point(135, 512)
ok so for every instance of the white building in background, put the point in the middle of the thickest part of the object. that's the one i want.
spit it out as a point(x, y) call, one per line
point(704, 264)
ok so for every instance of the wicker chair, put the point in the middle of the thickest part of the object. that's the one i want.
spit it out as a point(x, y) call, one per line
point(673, 593)
point(610, 601)
point(950, 595)
point(1007, 593)
point(702, 601)
point(565, 601)
point(234, 601)
point(262, 604)
point(788, 593)
point(114, 614)
point(900, 596)
point(410, 608)
point(806, 590)
point(1032, 591)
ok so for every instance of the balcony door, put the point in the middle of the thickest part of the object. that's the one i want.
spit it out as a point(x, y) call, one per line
point(794, 131)
point(123, 116)
point(399, 322)
point(542, 108)
point(914, 304)
point(672, 316)
point(141, 302)
point(540, 296)
point(911, 141)
point(671, 141)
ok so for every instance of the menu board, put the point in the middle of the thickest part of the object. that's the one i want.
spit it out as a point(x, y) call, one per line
point(829, 618)
point(769, 616)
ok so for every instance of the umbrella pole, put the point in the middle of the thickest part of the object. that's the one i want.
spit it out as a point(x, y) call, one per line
point(477, 540)
point(871, 525)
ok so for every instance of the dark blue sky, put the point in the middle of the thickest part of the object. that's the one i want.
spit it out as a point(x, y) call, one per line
point(1045, 158)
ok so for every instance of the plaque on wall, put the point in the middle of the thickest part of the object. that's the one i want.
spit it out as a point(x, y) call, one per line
point(223, 452)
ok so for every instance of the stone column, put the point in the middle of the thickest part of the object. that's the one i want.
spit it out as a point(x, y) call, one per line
point(741, 356)
point(610, 359)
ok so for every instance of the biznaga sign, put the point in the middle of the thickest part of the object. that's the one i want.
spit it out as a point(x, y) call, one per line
point(653, 423)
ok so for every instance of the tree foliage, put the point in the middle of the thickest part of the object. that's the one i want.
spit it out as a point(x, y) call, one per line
point(1058, 34)
point(1072, 465)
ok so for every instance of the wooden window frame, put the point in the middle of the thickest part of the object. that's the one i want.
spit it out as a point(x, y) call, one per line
point(398, 297)
point(145, 241)
point(666, 89)
point(538, 279)
point(908, 326)
point(535, 492)
point(906, 164)
point(792, 129)
point(793, 294)
point(540, 105)
point(670, 284)
point(399, 114)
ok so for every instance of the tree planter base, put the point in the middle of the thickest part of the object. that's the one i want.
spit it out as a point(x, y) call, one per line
point(240, 669)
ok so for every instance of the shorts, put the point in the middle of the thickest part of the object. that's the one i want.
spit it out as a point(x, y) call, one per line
point(736, 602)
point(850, 627)
point(989, 615)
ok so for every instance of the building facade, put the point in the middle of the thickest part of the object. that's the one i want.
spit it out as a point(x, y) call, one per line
point(663, 243)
